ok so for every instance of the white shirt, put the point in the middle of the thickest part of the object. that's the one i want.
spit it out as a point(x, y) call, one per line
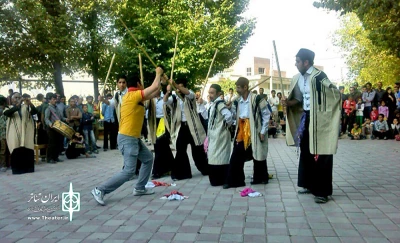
point(159, 106)
point(202, 109)
point(244, 112)
point(190, 96)
point(304, 85)
point(273, 102)
point(120, 96)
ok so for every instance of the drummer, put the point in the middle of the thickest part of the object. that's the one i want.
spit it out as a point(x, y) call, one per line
point(52, 114)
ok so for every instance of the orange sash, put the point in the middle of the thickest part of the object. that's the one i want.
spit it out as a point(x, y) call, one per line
point(244, 132)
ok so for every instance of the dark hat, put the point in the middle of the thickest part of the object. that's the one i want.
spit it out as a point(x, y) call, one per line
point(305, 54)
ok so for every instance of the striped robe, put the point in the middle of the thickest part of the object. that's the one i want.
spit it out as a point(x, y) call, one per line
point(193, 120)
point(325, 110)
point(219, 137)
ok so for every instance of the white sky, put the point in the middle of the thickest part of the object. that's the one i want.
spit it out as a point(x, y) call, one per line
point(294, 24)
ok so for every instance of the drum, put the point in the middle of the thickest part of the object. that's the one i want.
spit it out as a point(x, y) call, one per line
point(63, 129)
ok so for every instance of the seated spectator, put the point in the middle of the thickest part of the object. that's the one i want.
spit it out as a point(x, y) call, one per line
point(367, 128)
point(374, 114)
point(272, 128)
point(381, 128)
point(394, 129)
point(87, 127)
point(76, 147)
point(355, 133)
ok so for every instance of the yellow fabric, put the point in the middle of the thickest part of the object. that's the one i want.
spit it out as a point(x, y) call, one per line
point(132, 114)
point(244, 132)
point(280, 106)
point(160, 128)
point(100, 110)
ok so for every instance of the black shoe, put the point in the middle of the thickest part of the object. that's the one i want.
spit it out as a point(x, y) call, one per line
point(51, 161)
point(258, 182)
point(98, 147)
point(321, 199)
point(304, 191)
point(226, 186)
point(59, 160)
point(105, 150)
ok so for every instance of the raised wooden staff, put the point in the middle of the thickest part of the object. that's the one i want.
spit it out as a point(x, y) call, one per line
point(145, 53)
point(108, 74)
point(141, 70)
point(173, 58)
point(279, 69)
point(208, 74)
point(255, 86)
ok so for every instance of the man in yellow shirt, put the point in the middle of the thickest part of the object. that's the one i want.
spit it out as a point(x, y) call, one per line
point(129, 142)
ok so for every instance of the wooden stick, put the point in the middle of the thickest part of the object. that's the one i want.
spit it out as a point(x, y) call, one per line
point(255, 86)
point(108, 74)
point(209, 70)
point(141, 70)
point(173, 58)
point(138, 44)
point(147, 55)
point(279, 69)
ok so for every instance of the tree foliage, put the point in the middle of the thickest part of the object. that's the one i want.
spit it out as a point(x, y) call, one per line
point(366, 62)
point(48, 38)
point(226, 85)
point(379, 17)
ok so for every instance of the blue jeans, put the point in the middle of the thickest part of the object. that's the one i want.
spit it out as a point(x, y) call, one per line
point(86, 134)
point(132, 149)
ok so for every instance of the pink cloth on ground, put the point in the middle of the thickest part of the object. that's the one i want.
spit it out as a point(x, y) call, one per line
point(246, 192)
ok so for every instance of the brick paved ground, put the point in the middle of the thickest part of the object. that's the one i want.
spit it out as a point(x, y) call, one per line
point(365, 206)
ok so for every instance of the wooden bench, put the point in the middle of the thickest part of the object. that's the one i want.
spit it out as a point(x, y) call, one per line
point(37, 148)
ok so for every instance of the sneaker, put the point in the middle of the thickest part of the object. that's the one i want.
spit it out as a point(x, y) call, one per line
point(142, 192)
point(372, 137)
point(385, 138)
point(98, 196)
point(304, 191)
point(96, 151)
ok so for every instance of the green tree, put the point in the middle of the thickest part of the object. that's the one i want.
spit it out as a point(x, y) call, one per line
point(37, 39)
point(226, 85)
point(366, 62)
point(379, 17)
point(203, 26)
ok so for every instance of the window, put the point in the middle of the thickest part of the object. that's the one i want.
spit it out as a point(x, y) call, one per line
point(248, 71)
point(261, 70)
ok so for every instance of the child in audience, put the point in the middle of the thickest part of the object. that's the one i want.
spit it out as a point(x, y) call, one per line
point(367, 128)
point(381, 128)
point(374, 114)
point(394, 128)
point(383, 109)
point(359, 112)
point(348, 118)
point(272, 128)
point(76, 147)
point(355, 132)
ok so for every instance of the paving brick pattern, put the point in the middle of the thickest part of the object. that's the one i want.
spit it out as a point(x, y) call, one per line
point(365, 206)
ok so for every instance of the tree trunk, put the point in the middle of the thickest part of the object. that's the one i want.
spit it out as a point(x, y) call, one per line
point(58, 78)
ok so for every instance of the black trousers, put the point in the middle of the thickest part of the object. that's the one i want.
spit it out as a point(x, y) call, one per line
point(181, 166)
point(204, 122)
point(314, 175)
point(110, 129)
point(145, 132)
point(53, 149)
point(42, 138)
point(240, 155)
point(163, 158)
point(272, 131)
point(380, 135)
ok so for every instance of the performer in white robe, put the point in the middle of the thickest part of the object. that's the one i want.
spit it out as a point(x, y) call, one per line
point(313, 117)
point(219, 137)
point(20, 134)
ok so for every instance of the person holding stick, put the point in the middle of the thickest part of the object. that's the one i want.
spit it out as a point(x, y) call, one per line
point(130, 144)
point(186, 128)
point(313, 116)
point(251, 137)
